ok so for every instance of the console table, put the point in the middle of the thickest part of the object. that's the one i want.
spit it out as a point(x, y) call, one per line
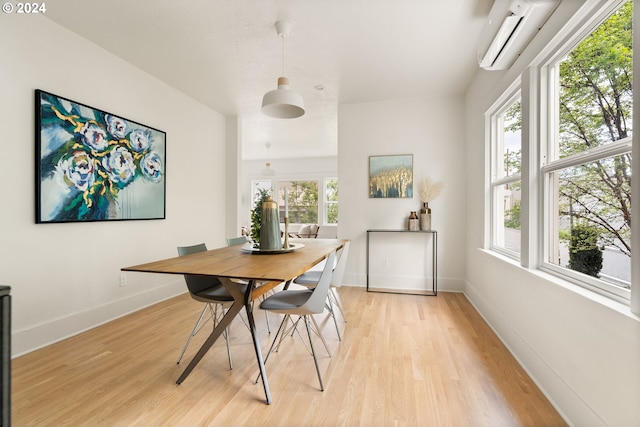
point(434, 260)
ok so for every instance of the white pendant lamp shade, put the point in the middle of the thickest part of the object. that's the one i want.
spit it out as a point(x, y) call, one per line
point(267, 171)
point(283, 103)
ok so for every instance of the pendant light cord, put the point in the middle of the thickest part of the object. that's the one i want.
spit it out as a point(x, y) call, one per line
point(282, 37)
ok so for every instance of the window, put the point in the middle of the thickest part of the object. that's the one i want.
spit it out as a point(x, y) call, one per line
point(331, 200)
point(256, 188)
point(586, 166)
point(310, 200)
point(575, 193)
point(303, 201)
point(506, 154)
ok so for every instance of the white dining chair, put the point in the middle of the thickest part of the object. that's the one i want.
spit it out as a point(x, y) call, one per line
point(311, 278)
point(303, 303)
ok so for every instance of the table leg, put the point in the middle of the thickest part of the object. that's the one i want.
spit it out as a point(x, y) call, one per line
point(239, 300)
point(256, 342)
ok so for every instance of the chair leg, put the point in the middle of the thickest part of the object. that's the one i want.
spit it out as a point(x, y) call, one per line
point(315, 360)
point(268, 325)
point(282, 332)
point(333, 293)
point(330, 308)
point(316, 330)
point(333, 314)
point(217, 317)
point(318, 333)
point(193, 333)
point(275, 339)
point(294, 328)
point(285, 331)
point(266, 315)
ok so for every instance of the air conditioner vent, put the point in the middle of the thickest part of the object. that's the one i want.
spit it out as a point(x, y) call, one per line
point(510, 26)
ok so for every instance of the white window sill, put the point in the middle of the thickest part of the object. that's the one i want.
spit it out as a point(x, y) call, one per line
point(619, 307)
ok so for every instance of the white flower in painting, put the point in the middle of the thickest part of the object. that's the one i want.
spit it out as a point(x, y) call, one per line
point(151, 166)
point(116, 126)
point(76, 170)
point(94, 136)
point(140, 140)
point(120, 166)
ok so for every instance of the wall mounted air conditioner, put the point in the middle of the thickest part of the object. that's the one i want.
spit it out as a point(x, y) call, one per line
point(509, 28)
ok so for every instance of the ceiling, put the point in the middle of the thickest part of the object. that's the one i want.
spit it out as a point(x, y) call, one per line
point(226, 54)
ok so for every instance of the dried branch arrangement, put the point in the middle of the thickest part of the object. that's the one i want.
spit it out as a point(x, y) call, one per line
point(429, 190)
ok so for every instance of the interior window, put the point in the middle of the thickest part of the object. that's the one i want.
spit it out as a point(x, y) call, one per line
point(331, 200)
point(302, 201)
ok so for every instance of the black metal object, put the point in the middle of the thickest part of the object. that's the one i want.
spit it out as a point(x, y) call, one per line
point(5, 356)
point(434, 259)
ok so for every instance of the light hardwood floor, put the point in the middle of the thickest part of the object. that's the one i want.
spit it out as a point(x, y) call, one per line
point(404, 361)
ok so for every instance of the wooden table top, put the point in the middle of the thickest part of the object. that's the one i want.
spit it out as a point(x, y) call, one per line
point(233, 262)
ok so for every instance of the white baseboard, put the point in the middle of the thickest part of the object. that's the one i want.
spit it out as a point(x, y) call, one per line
point(30, 339)
point(445, 284)
point(561, 395)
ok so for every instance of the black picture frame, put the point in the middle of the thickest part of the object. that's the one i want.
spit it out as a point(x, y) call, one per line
point(92, 165)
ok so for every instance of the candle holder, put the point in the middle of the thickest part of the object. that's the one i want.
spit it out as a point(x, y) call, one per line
point(285, 245)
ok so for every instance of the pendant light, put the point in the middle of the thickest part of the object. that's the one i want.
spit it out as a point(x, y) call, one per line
point(268, 170)
point(283, 103)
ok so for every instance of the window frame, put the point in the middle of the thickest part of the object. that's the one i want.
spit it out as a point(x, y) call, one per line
point(327, 203)
point(275, 188)
point(535, 84)
point(495, 120)
point(551, 162)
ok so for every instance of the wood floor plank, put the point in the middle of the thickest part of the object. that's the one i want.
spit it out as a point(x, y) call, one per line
point(404, 360)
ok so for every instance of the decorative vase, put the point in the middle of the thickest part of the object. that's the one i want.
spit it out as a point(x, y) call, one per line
point(270, 226)
point(414, 222)
point(425, 217)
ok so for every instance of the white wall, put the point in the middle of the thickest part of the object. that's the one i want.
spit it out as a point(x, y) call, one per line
point(233, 187)
point(581, 349)
point(65, 278)
point(430, 129)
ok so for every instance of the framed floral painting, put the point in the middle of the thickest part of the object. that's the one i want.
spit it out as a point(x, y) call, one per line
point(95, 166)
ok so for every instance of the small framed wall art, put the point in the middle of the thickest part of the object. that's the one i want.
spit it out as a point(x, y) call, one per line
point(391, 176)
point(96, 166)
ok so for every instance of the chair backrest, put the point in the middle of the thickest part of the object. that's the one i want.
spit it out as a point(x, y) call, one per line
point(197, 283)
point(237, 241)
point(338, 272)
point(315, 303)
point(309, 231)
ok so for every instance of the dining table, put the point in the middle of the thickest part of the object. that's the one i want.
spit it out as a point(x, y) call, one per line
point(235, 264)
